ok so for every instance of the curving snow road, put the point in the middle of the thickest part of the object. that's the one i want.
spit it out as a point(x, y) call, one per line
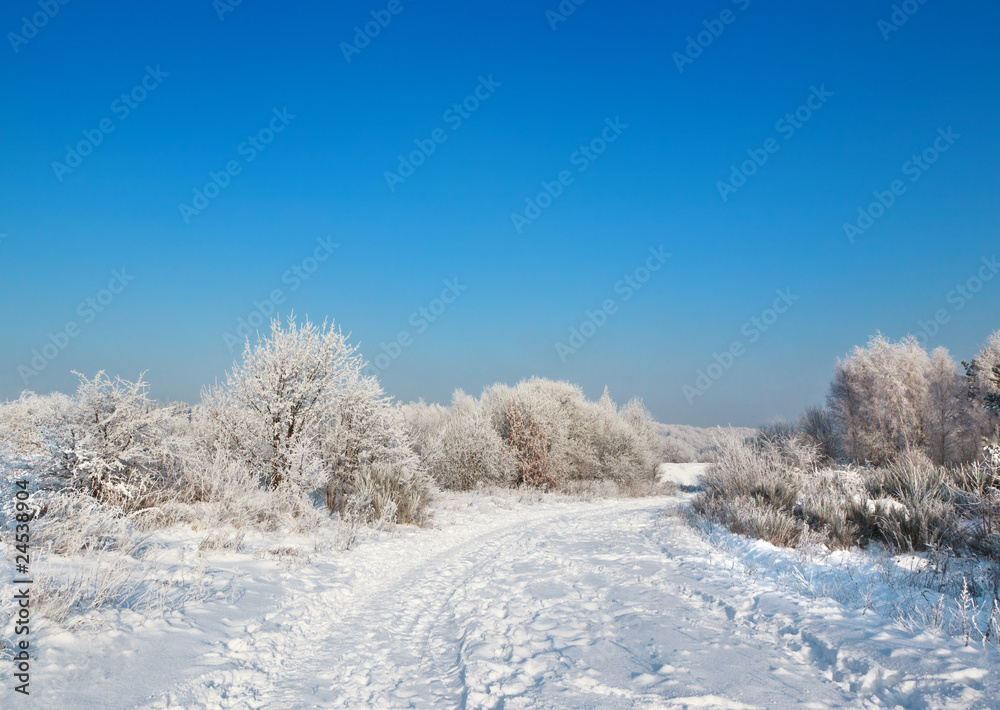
point(615, 604)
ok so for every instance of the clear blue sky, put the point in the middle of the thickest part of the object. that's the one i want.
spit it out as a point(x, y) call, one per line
point(213, 83)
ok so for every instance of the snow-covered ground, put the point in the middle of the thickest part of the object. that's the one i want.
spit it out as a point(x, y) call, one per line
point(509, 603)
point(686, 475)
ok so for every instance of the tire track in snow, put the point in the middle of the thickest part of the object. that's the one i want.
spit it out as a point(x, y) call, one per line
point(559, 605)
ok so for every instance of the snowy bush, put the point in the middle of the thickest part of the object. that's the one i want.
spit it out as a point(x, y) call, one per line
point(365, 433)
point(471, 452)
point(109, 440)
point(275, 403)
point(983, 378)
point(755, 469)
point(878, 399)
point(816, 426)
point(425, 425)
point(913, 508)
point(539, 433)
point(527, 441)
point(300, 415)
point(383, 493)
point(688, 443)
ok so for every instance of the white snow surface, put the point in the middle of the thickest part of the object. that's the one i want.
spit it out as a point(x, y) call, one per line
point(504, 603)
point(682, 474)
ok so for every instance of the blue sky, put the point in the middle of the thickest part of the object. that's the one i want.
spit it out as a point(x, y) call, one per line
point(328, 131)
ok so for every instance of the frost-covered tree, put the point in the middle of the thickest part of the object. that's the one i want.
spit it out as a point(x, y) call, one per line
point(817, 426)
point(545, 433)
point(471, 452)
point(365, 435)
point(948, 419)
point(425, 425)
point(983, 382)
point(273, 408)
point(124, 448)
point(110, 440)
point(299, 412)
point(878, 399)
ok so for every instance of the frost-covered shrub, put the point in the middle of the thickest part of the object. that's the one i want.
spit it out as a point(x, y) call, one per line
point(388, 493)
point(983, 379)
point(752, 469)
point(769, 487)
point(275, 403)
point(907, 505)
point(829, 499)
point(628, 449)
point(225, 492)
point(471, 452)
point(364, 430)
point(751, 517)
point(546, 434)
point(879, 399)
point(911, 505)
point(817, 427)
point(688, 443)
point(109, 440)
point(977, 490)
point(69, 522)
point(298, 413)
point(425, 425)
point(527, 440)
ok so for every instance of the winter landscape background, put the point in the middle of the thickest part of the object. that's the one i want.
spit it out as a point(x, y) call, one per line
point(557, 355)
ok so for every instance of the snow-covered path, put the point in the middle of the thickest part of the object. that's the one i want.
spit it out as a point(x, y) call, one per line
point(557, 603)
point(566, 605)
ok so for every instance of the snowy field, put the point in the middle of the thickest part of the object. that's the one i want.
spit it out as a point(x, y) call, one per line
point(516, 600)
